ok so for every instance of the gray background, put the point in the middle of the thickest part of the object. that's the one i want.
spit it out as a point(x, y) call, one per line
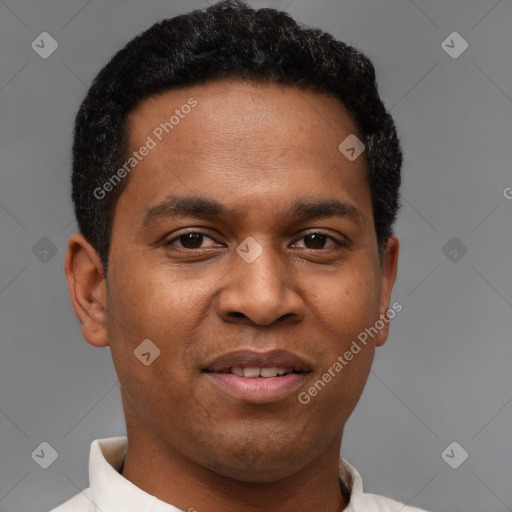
point(444, 375)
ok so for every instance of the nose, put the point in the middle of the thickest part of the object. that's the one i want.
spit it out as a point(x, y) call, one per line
point(262, 292)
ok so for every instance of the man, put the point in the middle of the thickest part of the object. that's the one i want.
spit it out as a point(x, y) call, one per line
point(235, 181)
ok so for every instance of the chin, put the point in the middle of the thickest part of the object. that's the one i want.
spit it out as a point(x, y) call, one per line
point(262, 459)
point(260, 472)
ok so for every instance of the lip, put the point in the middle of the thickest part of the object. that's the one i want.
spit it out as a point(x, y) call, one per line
point(261, 390)
point(250, 358)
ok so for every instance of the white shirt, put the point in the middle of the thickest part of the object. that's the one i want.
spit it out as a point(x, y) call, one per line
point(109, 491)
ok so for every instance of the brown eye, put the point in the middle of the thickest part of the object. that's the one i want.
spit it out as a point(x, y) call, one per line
point(315, 241)
point(190, 240)
point(319, 240)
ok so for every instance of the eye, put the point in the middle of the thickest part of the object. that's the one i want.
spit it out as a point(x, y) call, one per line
point(318, 240)
point(190, 240)
point(194, 240)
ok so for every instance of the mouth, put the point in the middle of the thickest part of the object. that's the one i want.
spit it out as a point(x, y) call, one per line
point(258, 378)
point(254, 372)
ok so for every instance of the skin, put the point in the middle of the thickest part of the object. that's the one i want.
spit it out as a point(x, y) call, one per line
point(255, 149)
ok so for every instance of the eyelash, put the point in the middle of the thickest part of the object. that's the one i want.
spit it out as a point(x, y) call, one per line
point(338, 243)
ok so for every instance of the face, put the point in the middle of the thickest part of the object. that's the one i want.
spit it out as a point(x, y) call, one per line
point(244, 239)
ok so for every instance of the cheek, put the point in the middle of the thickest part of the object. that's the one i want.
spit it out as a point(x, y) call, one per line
point(150, 301)
point(143, 308)
point(154, 304)
point(343, 310)
point(347, 302)
point(346, 386)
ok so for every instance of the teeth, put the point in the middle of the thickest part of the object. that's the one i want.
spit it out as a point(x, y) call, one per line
point(253, 372)
point(268, 372)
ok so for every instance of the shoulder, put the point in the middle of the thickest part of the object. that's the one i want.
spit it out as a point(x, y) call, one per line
point(79, 503)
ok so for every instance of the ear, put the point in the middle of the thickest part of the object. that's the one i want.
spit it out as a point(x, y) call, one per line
point(388, 275)
point(87, 288)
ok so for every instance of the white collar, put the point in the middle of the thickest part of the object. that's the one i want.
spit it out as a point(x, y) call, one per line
point(110, 491)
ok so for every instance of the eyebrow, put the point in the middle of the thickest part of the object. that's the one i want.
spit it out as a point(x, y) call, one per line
point(311, 209)
point(184, 206)
point(203, 207)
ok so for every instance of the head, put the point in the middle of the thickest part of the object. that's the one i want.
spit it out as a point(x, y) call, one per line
point(227, 123)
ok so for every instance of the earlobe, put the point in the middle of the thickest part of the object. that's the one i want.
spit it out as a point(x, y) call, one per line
point(388, 276)
point(87, 289)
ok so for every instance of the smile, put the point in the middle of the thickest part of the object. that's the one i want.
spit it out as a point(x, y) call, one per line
point(255, 372)
point(258, 378)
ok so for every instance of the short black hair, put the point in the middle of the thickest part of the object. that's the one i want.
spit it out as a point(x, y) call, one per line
point(227, 40)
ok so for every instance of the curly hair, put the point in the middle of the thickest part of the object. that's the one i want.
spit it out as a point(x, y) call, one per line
point(227, 40)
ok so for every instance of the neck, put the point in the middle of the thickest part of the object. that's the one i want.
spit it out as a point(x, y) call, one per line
point(169, 475)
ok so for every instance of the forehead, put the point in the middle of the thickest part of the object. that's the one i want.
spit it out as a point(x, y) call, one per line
point(250, 114)
point(240, 140)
